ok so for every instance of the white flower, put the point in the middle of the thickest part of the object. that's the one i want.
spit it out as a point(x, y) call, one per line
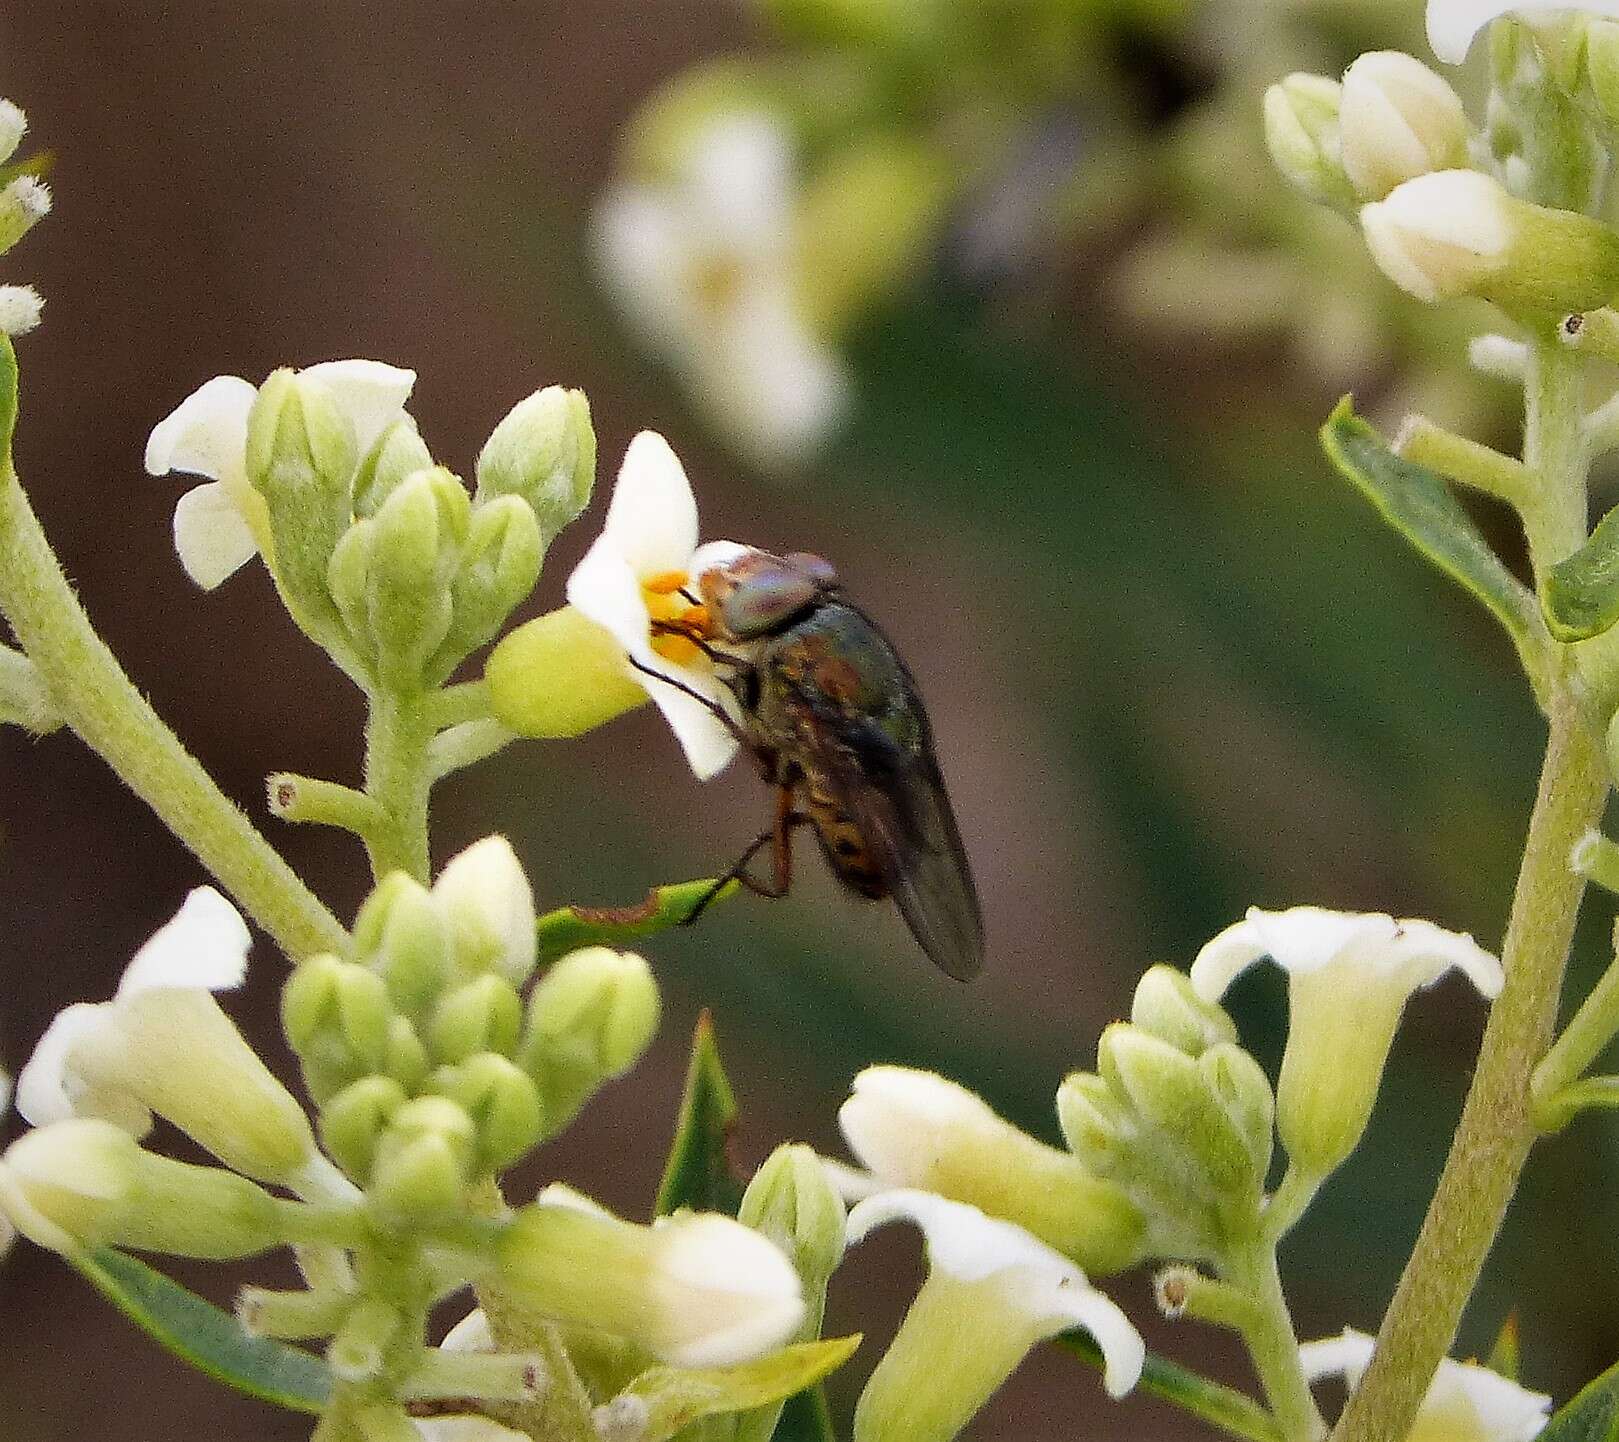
point(702, 264)
point(1465, 1403)
point(1397, 120)
point(992, 1293)
point(163, 1044)
point(1441, 234)
point(486, 900)
point(1452, 24)
point(220, 526)
point(1349, 976)
point(633, 575)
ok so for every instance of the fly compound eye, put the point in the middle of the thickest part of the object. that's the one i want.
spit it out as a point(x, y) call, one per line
point(817, 568)
point(766, 598)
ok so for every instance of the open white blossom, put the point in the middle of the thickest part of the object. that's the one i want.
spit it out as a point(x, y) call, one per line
point(1453, 24)
point(1349, 977)
point(164, 1045)
point(992, 1293)
point(1465, 1403)
point(702, 263)
point(634, 574)
point(220, 526)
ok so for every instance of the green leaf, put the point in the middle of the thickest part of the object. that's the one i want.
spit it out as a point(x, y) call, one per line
point(1582, 592)
point(676, 1397)
point(1503, 1358)
point(1221, 1406)
point(570, 927)
point(806, 1418)
point(1592, 1415)
point(1418, 503)
point(698, 1173)
point(206, 1337)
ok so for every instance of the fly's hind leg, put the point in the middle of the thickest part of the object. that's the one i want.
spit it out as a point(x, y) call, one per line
point(780, 840)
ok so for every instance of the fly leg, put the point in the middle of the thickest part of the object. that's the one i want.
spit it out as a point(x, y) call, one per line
point(723, 716)
point(780, 839)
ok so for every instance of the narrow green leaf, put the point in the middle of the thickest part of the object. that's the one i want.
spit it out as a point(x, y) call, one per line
point(1419, 505)
point(1503, 1358)
point(675, 1397)
point(1592, 1415)
point(570, 927)
point(806, 1418)
point(206, 1337)
point(1221, 1406)
point(1582, 592)
point(698, 1173)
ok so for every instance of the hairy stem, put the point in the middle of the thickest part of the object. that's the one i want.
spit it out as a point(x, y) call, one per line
point(103, 707)
point(397, 779)
point(1274, 1348)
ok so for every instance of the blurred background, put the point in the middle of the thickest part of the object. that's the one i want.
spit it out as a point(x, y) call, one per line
point(1071, 342)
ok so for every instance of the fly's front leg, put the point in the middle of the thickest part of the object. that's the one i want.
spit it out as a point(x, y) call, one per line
point(780, 839)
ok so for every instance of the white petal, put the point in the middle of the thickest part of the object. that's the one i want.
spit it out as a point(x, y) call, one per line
point(1303, 938)
point(850, 1183)
point(1437, 950)
point(469, 1428)
point(897, 1120)
point(1224, 958)
point(741, 182)
point(371, 393)
point(206, 434)
point(212, 538)
point(470, 1334)
point(708, 743)
point(1049, 1290)
point(204, 946)
point(46, 1086)
point(1343, 1356)
point(652, 518)
point(485, 896)
point(560, 1194)
point(712, 555)
point(644, 253)
point(605, 589)
point(1452, 24)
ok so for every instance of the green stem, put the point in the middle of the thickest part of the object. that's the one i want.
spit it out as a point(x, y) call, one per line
point(397, 779)
point(454, 705)
point(1274, 1347)
point(1497, 1129)
point(103, 707)
point(1553, 1095)
point(466, 745)
point(1289, 1202)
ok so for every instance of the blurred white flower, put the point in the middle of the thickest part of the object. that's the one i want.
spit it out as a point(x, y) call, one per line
point(702, 264)
point(220, 526)
point(1452, 24)
point(1465, 1403)
point(633, 575)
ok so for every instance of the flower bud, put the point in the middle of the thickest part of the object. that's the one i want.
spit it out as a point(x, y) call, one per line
point(1301, 132)
point(1092, 1121)
point(695, 1290)
point(792, 1201)
point(397, 454)
point(87, 1183)
point(423, 1162)
point(348, 582)
point(1167, 1007)
point(23, 204)
point(21, 307)
point(1398, 120)
point(499, 566)
point(1459, 232)
point(544, 452)
point(486, 900)
point(1239, 1084)
point(559, 675)
point(352, 1122)
point(402, 934)
point(338, 1018)
point(13, 126)
point(406, 1059)
point(502, 1101)
point(589, 1019)
point(419, 531)
point(913, 1129)
point(484, 1014)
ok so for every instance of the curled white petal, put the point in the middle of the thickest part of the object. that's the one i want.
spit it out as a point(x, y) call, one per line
point(49, 1089)
point(211, 537)
point(708, 743)
point(204, 947)
point(371, 393)
point(652, 518)
point(206, 434)
point(471, 1334)
point(605, 588)
point(1049, 1291)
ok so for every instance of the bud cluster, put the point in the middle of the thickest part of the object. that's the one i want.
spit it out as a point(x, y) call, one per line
point(1178, 1116)
point(429, 1068)
point(24, 201)
point(387, 559)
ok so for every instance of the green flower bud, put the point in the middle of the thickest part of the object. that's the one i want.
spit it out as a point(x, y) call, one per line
point(24, 202)
point(560, 675)
point(1240, 1085)
point(1301, 132)
point(499, 566)
point(793, 1202)
point(13, 126)
point(87, 1183)
point(402, 935)
point(589, 1019)
point(337, 1017)
point(544, 451)
point(419, 531)
point(407, 1061)
point(348, 581)
point(1166, 1007)
point(352, 1122)
point(423, 1162)
point(301, 454)
point(398, 453)
point(484, 1014)
point(1092, 1121)
point(486, 901)
point(501, 1100)
point(1459, 232)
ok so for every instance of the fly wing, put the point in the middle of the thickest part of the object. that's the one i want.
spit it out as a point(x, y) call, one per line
point(896, 798)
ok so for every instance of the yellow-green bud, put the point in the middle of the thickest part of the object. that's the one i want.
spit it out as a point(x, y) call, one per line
point(1239, 1084)
point(348, 582)
point(499, 566)
point(87, 1183)
point(1301, 132)
point(407, 1061)
point(544, 451)
point(419, 531)
point(423, 1161)
point(486, 900)
point(399, 452)
point(1166, 1006)
point(560, 675)
point(337, 1017)
point(402, 935)
point(502, 1101)
point(793, 1202)
point(1092, 1120)
point(484, 1014)
point(589, 1019)
point(352, 1122)
point(24, 202)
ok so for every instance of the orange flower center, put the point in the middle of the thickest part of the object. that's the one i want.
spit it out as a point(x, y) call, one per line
point(664, 603)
